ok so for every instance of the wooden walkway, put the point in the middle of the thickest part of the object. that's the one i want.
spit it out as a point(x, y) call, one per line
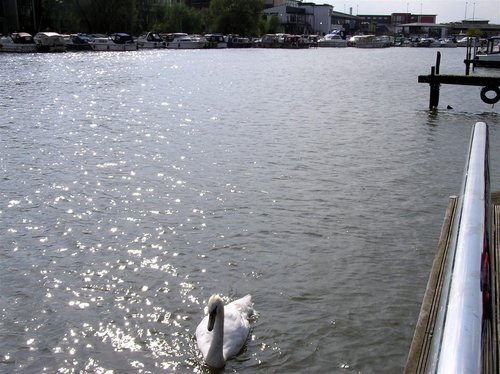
point(421, 344)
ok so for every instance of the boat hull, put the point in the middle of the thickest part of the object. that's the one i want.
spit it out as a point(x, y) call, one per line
point(329, 44)
point(186, 45)
point(17, 48)
point(44, 48)
point(113, 47)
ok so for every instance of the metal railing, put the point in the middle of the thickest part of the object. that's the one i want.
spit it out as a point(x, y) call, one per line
point(457, 341)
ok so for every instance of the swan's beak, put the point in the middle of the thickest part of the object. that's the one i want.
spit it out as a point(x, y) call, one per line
point(211, 321)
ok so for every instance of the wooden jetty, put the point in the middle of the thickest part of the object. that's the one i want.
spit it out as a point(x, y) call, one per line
point(489, 84)
point(472, 343)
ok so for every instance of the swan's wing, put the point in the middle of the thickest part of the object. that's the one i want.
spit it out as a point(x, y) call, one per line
point(236, 329)
point(203, 337)
point(244, 305)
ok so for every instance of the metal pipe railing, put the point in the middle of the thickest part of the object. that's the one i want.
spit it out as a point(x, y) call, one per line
point(457, 340)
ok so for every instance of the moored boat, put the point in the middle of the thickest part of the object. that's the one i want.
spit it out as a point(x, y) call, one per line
point(150, 40)
point(216, 40)
point(372, 41)
point(115, 42)
point(269, 41)
point(236, 41)
point(448, 43)
point(490, 57)
point(78, 42)
point(332, 40)
point(18, 42)
point(291, 41)
point(49, 42)
point(180, 40)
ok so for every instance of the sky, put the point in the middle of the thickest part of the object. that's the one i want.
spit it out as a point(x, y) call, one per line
point(446, 10)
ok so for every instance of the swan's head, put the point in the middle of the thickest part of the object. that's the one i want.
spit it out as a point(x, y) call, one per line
point(215, 305)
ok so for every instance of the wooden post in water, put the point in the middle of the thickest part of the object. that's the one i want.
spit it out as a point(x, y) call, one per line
point(434, 85)
point(468, 56)
point(434, 96)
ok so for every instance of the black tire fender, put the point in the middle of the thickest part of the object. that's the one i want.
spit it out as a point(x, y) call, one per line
point(490, 100)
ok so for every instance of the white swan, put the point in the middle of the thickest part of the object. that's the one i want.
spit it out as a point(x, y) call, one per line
point(223, 332)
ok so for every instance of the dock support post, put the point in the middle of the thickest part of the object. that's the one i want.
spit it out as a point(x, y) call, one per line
point(434, 95)
point(468, 56)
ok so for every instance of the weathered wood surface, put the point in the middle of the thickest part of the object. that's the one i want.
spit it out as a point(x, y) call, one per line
point(464, 80)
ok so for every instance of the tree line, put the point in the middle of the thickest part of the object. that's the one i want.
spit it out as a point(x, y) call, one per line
point(243, 17)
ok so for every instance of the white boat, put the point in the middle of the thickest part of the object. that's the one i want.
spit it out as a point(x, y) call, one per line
point(50, 42)
point(216, 40)
point(447, 43)
point(181, 40)
point(372, 41)
point(490, 57)
point(77, 42)
point(150, 40)
point(115, 42)
point(462, 42)
point(19, 42)
point(427, 43)
point(236, 41)
point(332, 40)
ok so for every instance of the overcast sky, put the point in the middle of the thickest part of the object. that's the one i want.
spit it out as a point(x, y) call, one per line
point(446, 10)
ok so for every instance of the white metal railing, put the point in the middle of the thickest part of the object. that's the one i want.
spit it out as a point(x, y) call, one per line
point(457, 339)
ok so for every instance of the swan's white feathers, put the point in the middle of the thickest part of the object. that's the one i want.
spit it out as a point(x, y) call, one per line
point(236, 327)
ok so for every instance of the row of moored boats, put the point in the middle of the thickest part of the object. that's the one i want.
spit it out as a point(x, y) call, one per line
point(54, 42)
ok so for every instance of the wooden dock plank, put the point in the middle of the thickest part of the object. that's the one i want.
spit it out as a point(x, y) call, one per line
point(421, 343)
point(466, 80)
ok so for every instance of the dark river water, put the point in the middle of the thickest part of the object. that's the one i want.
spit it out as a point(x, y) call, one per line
point(135, 185)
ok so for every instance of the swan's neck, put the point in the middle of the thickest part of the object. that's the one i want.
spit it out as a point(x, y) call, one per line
point(215, 356)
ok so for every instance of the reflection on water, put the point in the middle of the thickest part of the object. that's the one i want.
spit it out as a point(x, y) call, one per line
point(135, 185)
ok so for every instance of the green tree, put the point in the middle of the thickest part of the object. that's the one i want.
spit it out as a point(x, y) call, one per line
point(57, 15)
point(236, 16)
point(97, 16)
point(473, 33)
point(273, 25)
point(148, 14)
point(180, 18)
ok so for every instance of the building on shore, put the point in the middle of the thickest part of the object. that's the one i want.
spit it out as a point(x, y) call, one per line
point(461, 28)
point(308, 18)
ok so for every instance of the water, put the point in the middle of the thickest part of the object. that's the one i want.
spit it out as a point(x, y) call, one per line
point(135, 185)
